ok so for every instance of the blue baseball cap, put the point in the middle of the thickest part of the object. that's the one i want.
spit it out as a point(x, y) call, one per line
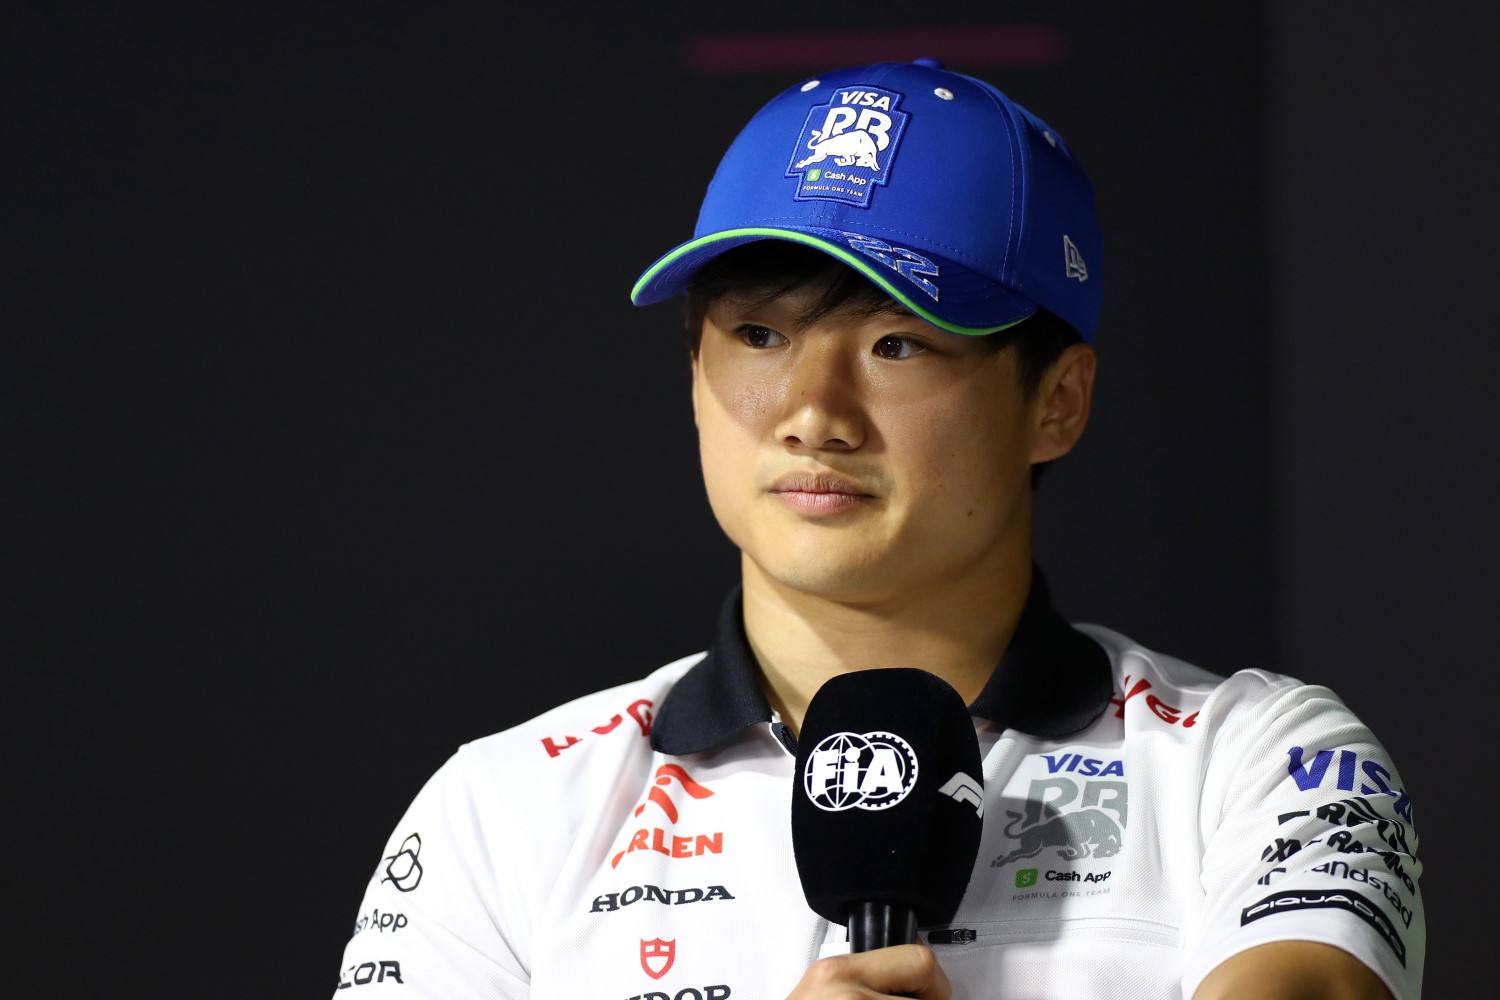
point(965, 207)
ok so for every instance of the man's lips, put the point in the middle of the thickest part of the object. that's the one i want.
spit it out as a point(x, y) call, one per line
point(820, 492)
point(818, 482)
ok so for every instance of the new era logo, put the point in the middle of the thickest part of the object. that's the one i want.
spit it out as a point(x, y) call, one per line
point(1073, 261)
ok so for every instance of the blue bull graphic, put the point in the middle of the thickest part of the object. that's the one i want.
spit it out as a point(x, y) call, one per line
point(1088, 831)
point(1082, 834)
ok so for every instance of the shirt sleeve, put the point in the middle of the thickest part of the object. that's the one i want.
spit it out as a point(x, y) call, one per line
point(432, 922)
point(1308, 835)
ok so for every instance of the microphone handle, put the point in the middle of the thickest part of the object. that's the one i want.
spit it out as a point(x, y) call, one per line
point(880, 925)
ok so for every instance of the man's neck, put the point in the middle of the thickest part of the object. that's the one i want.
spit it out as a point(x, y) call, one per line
point(958, 631)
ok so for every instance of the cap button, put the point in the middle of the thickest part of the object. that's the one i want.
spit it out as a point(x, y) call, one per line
point(929, 62)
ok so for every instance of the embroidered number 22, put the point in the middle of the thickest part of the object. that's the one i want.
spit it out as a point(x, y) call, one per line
point(908, 263)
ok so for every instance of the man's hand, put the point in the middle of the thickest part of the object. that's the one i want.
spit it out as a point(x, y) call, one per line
point(909, 970)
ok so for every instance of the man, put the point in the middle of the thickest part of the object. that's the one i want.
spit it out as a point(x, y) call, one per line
point(889, 296)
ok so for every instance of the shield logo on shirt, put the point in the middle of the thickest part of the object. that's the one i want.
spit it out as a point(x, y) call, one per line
point(657, 956)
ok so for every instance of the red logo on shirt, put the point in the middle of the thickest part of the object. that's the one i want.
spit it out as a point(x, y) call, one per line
point(657, 956)
point(639, 710)
point(1170, 714)
point(659, 840)
point(665, 775)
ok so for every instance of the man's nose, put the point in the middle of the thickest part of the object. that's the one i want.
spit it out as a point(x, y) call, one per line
point(822, 409)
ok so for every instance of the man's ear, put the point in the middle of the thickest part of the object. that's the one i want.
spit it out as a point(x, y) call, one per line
point(1061, 408)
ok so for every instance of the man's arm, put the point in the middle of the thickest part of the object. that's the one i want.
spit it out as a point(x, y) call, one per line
point(426, 923)
point(1292, 970)
point(1309, 863)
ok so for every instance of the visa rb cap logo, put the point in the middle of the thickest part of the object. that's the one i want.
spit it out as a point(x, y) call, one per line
point(847, 146)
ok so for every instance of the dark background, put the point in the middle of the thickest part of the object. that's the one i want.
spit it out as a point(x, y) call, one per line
point(332, 440)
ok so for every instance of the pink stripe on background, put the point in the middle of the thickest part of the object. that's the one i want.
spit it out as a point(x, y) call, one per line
point(978, 46)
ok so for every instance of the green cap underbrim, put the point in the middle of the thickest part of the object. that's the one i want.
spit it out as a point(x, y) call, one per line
point(880, 276)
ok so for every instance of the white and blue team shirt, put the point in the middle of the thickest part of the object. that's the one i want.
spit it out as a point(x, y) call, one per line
point(1144, 820)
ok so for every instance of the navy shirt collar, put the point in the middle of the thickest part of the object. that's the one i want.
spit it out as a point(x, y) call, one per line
point(1051, 682)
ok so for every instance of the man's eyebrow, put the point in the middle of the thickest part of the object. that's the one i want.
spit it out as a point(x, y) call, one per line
point(894, 309)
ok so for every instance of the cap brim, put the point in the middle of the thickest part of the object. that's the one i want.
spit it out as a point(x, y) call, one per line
point(966, 303)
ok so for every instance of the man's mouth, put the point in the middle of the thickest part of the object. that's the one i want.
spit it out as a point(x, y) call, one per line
point(821, 492)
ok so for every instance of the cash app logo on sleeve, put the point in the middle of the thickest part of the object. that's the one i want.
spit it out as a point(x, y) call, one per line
point(1025, 878)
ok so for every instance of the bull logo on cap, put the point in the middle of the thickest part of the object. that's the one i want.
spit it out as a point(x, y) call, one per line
point(848, 148)
point(857, 128)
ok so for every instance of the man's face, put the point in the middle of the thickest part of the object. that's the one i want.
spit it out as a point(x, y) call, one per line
point(862, 458)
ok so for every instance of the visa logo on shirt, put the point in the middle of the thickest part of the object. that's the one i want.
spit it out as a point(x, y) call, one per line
point(1077, 763)
point(1309, 774)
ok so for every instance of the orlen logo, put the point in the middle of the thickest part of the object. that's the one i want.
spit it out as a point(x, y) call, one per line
point(658, 840)
point(860, 770)
point(665, 775)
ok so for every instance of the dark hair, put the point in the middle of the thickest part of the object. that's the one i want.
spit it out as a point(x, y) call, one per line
point(769, 269)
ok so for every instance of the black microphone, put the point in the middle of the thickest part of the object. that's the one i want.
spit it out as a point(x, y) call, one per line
point(889, 803)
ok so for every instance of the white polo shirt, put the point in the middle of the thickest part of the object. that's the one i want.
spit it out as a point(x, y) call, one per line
point(1143, 821)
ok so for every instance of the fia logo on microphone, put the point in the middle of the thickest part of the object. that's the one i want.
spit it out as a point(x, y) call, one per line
point(860, 770)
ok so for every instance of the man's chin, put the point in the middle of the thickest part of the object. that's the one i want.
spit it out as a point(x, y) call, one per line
point(847, 580)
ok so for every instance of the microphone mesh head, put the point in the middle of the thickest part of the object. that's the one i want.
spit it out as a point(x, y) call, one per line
point(889, 800)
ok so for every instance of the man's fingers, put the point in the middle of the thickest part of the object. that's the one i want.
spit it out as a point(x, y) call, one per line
point(903, 970)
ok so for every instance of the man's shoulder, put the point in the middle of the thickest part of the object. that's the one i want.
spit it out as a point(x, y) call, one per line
point(1175, 690)
point(557, 767)
point(609, 722)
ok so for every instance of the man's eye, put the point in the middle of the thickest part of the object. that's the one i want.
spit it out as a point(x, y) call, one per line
point(760, 337)
point(894, 348)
